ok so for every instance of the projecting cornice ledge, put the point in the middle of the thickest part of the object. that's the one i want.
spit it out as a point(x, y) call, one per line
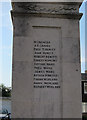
point(48, 9)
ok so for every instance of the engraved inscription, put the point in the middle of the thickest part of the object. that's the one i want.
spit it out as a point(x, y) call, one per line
point(45, 60)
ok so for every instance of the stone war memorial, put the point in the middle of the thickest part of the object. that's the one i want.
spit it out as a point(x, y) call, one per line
point(46, 71)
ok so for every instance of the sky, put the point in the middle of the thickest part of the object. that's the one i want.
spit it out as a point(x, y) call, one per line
point(86, 36)
point(6, 42)
point(82, 37)
point(6, 39)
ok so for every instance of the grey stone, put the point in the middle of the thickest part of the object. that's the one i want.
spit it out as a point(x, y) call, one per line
point(46, 60)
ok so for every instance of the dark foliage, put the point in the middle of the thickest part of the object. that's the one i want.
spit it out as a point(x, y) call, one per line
point(5, 91)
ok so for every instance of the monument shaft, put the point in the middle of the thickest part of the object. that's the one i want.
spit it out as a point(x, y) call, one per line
point(46, 60)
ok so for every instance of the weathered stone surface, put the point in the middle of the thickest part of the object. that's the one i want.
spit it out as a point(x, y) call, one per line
point(47, 9)
point(46, 61)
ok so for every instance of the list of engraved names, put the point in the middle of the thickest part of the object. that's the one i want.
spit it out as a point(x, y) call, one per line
point(45, 60)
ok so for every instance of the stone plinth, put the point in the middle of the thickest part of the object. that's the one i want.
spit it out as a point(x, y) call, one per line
point(46, 60)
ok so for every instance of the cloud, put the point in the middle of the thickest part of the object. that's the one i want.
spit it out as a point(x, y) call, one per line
point(5, 0)
point(5, 47)
point(84, 60)
point(85, 0)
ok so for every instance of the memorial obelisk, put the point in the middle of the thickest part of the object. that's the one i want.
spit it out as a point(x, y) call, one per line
point(46, 60)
